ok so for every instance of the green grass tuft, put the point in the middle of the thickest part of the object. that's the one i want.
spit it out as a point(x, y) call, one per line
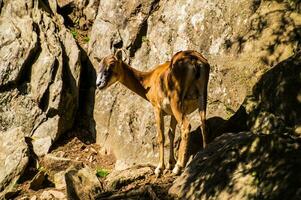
point(86, 39)
point(74, 33)
point(102, 173)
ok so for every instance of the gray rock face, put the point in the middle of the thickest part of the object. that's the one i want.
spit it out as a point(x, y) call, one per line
point(83, 12)
point(13, 158)
point(82, 184)
point(235, 36)
point(274, 104)
point(118, 179)
point(39, 72)
point(243, 166)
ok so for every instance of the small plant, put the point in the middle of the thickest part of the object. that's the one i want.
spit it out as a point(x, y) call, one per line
point(86, 39)
point(74, 33)
point(102, 173)
point(144, 39)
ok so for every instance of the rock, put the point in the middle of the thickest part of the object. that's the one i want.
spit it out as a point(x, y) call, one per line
point(39, 72)
point(59, 180)
point(243, 166)
point(82, 184)
point(13, 158)
point(54, 164)
point(52, 194)
point(238, 38)
point(37, 182)
point(117, 179)
point(18, 45)
point(273, 105)
point(144, 192)
point(63, 3)
point(34, 197)
point(79, 13)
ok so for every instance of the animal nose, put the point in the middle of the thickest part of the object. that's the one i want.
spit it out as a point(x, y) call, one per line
point(98, 81)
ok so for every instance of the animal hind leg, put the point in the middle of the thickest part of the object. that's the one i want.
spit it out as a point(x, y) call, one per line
point(161, 140)
point(185, 134)
point(202, 112)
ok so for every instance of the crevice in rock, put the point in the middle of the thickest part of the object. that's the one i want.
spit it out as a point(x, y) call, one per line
point(25, 72)
point(154, 7)
point(65, 12)
point(117, 45)
point(45, 6)
point(44, 102)
point(1, 5)
point(84, 116)
point(76, 20)
point(31, 169)
point(142, 31)
point(7, 87)
point(137, 43)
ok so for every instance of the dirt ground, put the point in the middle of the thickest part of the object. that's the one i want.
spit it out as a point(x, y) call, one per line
point(75, 149)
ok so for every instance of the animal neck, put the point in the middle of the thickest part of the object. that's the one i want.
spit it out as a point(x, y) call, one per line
point(133, 79)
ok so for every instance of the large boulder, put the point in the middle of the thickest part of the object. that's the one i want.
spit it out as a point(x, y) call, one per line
point(243, 166)
point(274, 104)
point(240, 39)
point(13, 158)
point(82, 184)
point(39, 72)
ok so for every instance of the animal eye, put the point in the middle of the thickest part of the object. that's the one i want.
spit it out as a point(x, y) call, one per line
point(108, 71)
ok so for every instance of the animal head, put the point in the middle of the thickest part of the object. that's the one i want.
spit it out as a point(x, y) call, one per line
point(109, 70)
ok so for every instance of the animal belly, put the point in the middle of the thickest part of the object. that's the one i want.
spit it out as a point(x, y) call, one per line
point(188, 107)
point(166, 106)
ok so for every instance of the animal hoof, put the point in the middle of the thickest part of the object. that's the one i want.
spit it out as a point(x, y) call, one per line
point(158, 171)
point(177, 170)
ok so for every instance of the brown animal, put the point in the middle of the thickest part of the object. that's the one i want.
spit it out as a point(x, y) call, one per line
point(176, 88)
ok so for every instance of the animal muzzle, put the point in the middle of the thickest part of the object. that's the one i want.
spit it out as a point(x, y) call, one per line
point(101, 80)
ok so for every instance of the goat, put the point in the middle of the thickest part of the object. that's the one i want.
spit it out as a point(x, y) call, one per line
point(177, 88)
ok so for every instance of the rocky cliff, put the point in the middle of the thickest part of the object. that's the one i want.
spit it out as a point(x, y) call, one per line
point(241, 39)
point(48, 53)
point(40, 71)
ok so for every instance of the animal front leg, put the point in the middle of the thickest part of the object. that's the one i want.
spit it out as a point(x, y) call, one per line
point(161, 140)
point(171, 135)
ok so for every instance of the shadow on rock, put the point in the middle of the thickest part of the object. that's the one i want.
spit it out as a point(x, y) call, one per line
point(275, 102)
point(243, 166)
point(262, 162)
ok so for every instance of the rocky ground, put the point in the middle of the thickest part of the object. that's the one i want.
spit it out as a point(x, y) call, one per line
point(47, 180)
point(58, 133)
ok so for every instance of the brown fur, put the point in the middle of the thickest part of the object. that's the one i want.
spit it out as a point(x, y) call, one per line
point(176, 88)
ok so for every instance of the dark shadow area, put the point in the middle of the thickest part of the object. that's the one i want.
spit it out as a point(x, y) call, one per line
point(137, 43)
point(216, 126)
point(270, 162)
point(275, 102)
point(65, 12)
point(31, 169)
point(279, 92)
point(84, 118)
point(84, 123)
